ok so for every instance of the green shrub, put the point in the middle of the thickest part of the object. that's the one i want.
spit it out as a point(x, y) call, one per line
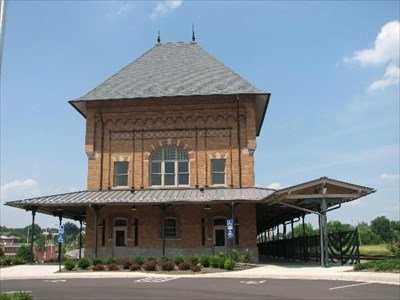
point(20, 295)
point(151, 258)
point(167, 265)
point(222, 254)
point(112, 267)
point(164, 259)
point(83, 263)
point(234, 255)
point(126, 262)
point(69, 264)
point(5, 261)
point(178, 260)
point(97, 261)
point(111, 260)
point(184, 266)
point(25, 253)
point(98, 267)
point(205, 261)
point(134, 267)
point(1, 253)
point(214, 261)
point(18, 261)
point(194, 260)
point(380, 265)
point(139, 260)
point(229, 264)
point(195, 268)
point(246, 257)
point(394, 248)
point(150, 265)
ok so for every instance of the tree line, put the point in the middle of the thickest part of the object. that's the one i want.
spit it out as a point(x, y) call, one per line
point(380, 230)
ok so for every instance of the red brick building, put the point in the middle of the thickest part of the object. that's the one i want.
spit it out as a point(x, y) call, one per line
point(170, 141)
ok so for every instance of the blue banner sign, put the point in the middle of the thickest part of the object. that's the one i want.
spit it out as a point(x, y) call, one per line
point(60, 237)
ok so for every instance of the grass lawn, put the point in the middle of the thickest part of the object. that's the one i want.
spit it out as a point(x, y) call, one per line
point(375, 250)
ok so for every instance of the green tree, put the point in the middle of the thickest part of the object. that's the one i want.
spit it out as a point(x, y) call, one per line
point(395, 228)
point(71, 231)
point(381, 227)
point(25, 253)
point(366, 236)
point(298, 230)
point(337, 226)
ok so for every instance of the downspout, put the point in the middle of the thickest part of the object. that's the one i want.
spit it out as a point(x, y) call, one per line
point(239, 143)
point(102, 146)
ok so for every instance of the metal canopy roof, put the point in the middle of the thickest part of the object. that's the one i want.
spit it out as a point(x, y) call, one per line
point(73, 205)
point(272, 209)
point(306, 196)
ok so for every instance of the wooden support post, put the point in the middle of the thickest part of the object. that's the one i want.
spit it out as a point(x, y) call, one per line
point(325, 250)
point(33, 234)
point(164, 212)
point(59, 244)
point(80, 238)
point(96, 225)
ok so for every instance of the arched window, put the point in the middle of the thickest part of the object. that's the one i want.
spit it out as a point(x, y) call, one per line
point(169, 166)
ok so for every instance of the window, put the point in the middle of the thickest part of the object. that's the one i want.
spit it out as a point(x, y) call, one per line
point(121, 173)
point(218, 171)
point(169, 227)
point(169, 166)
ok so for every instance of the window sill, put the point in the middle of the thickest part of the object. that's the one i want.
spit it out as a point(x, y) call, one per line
point(171, 239)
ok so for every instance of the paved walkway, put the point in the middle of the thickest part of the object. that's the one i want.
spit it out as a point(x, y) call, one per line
point(282, 270)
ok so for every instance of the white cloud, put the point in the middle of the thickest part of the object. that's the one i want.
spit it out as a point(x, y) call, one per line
point(391, 77)
point(386, 52)
point(386, 48)
point(165, 7)
point(389, 176)
point(125, 7)
point(19, 189)
point(275, 186)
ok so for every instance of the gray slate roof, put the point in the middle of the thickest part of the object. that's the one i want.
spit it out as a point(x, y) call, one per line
point(170, 70)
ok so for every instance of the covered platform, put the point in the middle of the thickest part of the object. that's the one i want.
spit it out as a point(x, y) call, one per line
point(273, 208)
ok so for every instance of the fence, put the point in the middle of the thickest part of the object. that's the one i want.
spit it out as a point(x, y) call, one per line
point(343, 246)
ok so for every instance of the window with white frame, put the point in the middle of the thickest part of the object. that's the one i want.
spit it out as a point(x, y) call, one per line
point(169, 166)
point(218, 171)
point(120, 173)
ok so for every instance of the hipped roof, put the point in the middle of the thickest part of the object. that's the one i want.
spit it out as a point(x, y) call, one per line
point(174, 70)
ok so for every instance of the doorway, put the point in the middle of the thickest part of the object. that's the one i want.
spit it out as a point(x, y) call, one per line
point(120, 236)
point(219, 235)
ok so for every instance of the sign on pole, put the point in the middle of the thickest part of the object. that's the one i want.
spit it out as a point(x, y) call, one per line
point(60, 237)
point(61, 229)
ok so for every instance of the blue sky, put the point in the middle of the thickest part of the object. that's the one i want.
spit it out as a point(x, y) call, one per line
point(332, 69)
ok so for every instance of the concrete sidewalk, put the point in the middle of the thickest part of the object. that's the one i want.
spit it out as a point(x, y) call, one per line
point(273, 271)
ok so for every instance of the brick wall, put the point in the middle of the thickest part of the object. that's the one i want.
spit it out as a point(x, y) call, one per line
point(158, 120)
point(188, 219)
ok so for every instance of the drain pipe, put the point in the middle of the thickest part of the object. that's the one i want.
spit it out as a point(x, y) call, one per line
point(102, 146)
point(239, 142)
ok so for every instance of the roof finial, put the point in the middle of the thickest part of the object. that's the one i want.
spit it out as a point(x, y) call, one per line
point(193, 37)
point(158, 38)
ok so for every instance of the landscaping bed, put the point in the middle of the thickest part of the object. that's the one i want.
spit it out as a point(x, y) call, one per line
point(179, 265)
